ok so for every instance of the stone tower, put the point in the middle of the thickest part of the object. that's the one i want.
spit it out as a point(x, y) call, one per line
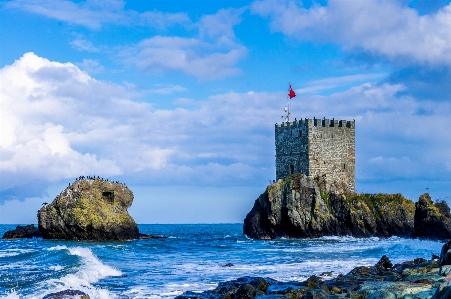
point(317, 147)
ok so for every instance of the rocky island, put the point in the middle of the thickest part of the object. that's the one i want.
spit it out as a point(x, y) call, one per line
point(304, 207)
point(89, 209)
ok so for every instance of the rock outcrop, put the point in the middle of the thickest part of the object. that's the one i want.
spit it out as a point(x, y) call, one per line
point(297, 207)
point(419, 278)
point(67, 294)
point(89, 209)
point(23, 231)
point(432, 220)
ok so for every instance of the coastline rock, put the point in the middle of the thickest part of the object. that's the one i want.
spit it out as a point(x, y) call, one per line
point(432, 220)
point(89, 209)
point(23, 231)
point(67, 294)
point(412, 279)
point(445, 254)
point(296, 208)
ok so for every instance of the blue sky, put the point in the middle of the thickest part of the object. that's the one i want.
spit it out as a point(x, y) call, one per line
point(178, 99)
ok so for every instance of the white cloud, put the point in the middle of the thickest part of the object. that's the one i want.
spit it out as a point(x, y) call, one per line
point(378, 27)
point(213, 54)
point(91, 66)
point(192, 56)
point(220, 24)
point(162, 20)
point(81, 44)
point(167, 89)
point(59, 123)
point(94, 14)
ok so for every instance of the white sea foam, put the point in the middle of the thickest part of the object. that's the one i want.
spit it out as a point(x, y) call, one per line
point(12, 295)
point(90, 271)
point(56, 268)
point(14, 252)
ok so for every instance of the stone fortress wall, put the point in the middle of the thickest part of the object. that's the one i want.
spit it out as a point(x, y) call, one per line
point(317, 147)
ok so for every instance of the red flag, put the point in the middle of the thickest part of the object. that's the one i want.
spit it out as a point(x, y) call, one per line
point(292, 94)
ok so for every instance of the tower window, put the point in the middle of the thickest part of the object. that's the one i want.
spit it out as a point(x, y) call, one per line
point(300, 133)
point(291, 169)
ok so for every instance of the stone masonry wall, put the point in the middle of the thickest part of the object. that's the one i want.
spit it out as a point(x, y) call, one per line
point(316, 148)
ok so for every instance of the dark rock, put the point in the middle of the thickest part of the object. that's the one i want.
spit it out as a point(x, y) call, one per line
point(23, 231)
point(144, 236)
point(316, 294)
point(245, 291)
point(296, 208)
point(445, 254)
point(384, 263)
point(443, 291)
point(67, 294)
point(312, 282)
point(89, 209)
point(381, 294)
point(432, 221)
point(229, 265)
point(435, 257)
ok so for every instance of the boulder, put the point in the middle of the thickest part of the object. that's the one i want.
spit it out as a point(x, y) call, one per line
point(23, 231)
point(89, 209)
point(432, 220)
point(296, 207)
point(445, 254)
point(67, 294)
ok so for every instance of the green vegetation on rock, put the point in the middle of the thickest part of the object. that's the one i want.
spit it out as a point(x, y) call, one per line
point(304, 207)
point(89, 209)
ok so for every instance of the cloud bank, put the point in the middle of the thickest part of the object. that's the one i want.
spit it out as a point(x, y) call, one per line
point(381, 28)
point(58, 123)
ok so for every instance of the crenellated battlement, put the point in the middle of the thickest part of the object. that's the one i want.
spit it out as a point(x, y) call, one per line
point(317, 147)
point(316, 122)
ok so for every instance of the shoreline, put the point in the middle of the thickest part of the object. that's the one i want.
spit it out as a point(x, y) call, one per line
point(419, 278)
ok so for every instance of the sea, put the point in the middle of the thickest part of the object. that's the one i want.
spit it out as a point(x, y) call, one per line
point(192, 258)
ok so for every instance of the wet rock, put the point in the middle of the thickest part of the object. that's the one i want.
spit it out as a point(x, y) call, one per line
point(384, 263)
point(445, 270)
point(89, 209)
point(445, 254)
point(315, 294)
point(432, 221)
point(67, 294)
point(23, 231)
point(381, 294)
point(144, 236)
point(417, 279)
point(245, 291)
point(443, 291)
point(229, 265)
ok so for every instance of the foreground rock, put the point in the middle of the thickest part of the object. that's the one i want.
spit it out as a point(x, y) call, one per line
point(413, 279)
point(67, 294)
point(89, 209)
point(23, 231)
point(296, 207)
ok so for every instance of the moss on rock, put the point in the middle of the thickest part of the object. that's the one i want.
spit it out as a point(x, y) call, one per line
point(89, 209)
point(301, 207)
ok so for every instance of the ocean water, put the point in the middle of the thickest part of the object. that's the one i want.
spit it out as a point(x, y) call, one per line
point(192, 258)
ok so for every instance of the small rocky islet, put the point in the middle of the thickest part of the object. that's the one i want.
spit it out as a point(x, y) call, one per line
point(90, 208)
point(304, 207)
